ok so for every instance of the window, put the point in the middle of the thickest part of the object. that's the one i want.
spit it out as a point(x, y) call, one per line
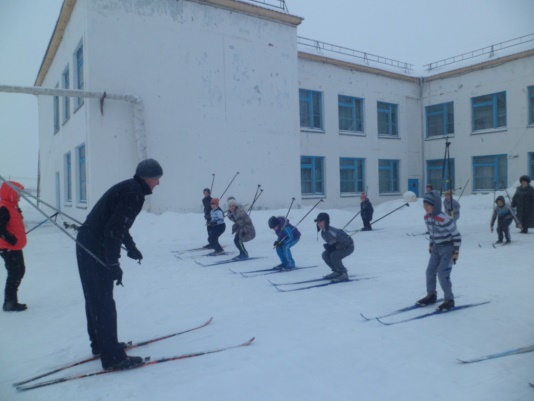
point(56, 112)
point(350, 113)
point(439, 119)
point(311, 109)
point(489, 111)
point(78, 73)
point(387, 119)
point(388, 176)
point(531, 164)
point(82, 183)
point(489, 173)
point(66, 100)
point(531, 105)
point(312, 175)
point(351, 175)
point(68, 177)
point(435, 174)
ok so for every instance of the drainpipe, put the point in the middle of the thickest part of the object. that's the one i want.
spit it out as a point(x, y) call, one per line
point(422, 117)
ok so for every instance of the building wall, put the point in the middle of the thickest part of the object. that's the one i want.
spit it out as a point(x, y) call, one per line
point(515, 140)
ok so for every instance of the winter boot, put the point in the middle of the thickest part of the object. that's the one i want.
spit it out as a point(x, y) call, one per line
point(448, 304)
point(332, 275)
point(128, 363)
point(14, 307)
point(342, 277)
point(428, 300)
point(96, 351)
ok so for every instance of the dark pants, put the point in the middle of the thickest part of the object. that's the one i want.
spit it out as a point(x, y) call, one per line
point(334, 258)
point(503, 227)
point(14, 261)
point(99, 303)
point(366, 224)
point(214, 233)
point(240, 246)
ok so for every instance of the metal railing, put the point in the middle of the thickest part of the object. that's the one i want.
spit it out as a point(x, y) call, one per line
point(480, 52)
point(281, 4)
point(363, 56)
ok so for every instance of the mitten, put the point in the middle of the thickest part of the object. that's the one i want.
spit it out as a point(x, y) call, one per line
point(115, 273)
point(134, 253)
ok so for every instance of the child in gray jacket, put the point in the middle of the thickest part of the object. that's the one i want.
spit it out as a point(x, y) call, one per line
point(504, 215)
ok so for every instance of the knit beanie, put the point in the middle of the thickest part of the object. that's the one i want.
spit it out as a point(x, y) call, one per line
point(149, 168)
point(524, 178)
point(429, 198)
point(273, 222)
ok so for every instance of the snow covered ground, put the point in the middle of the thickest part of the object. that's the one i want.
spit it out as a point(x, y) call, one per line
point(311, 345)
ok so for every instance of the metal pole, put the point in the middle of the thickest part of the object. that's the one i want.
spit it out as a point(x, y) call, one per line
point(229, 185)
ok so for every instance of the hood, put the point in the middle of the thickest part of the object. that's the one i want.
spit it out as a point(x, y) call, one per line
point(8, 194)
point(434, 199)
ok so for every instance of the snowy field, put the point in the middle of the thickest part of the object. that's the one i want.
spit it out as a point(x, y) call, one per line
point(310, 345)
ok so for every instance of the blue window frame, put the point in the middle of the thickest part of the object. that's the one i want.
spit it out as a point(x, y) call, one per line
point(351, 175)
point(489, 172)
point(312, 175)
point(439, 119)
point(78, 59)
point(350, 111)
point(434, 174)
point(387, 119)
point(82, 177)
point(531, 164)
point(531, 105)
point(56, 112)
point(65, 78)
point(311, 104)
point(388, 176)
point(68, 177)
point(489, 111)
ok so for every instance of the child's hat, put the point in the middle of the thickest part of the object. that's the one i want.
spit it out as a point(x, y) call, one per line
point(500, 198)
point(215, 201)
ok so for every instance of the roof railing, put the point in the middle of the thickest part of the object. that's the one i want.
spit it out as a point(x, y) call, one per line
point(363, 56)
point(480, 52)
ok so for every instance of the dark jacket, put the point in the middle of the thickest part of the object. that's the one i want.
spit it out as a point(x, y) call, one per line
point(523, 200)
point(206, 201)
point(366, 210)
point(286, 231)
point(110, 219)
point(336, 237)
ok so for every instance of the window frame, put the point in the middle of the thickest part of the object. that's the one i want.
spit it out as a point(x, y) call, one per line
point(394, 180)
point(356, 106)
point(530, 105)
point(81, 174)
point(477, 111)
point(436, 165)
point(312, 101)
point(67, 177)
point(391, 111)
point(499, 180)
point(358, 172)
point(317, 176)
point(443, 111)
point(65, 82)
point(79, 82)
point(56, 112)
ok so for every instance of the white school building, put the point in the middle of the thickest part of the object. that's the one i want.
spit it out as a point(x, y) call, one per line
point(216, 89)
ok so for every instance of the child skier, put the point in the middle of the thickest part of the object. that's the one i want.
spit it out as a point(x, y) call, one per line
point(444, 248)
point(217, 227)
point(288, 236)
point(242, 228)
point(366, 211)
point(338, 246)
point(504, 215)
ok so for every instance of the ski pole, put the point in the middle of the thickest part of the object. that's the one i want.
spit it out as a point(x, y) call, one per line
point(295, 226)
point(23, 195)
point(406, 204)
point(351, 220)
point(41, 223)
point(220, 197)
point(285, 221)
point(292, 200)
point(463, 189)
point(254, 198)
point(53, 208)
point(254, 201)
point(212, 180)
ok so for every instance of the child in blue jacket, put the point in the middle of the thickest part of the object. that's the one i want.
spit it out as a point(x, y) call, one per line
point(288, 236)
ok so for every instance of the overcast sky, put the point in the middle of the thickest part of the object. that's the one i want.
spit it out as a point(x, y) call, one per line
point(413, 31)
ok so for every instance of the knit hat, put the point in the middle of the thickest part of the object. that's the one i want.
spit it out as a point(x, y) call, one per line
point(215, 201)
point(429, 198)
point(207, 190)
point(149, 168)
point(524, 178)
point(323, 217)
point(231, 201)
point(500, 198)
point(273, 222)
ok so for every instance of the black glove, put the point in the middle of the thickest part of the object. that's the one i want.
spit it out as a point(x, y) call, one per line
point(278, 243)
point(329, 247)
point(234, 228)
point(10, 238)
point(135, 254)
point(115, 273)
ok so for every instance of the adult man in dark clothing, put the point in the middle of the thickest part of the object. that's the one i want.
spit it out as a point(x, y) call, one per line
point(523, 200)
point(98, 251)
point(206, 202)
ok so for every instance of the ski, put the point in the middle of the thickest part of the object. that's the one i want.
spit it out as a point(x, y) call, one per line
point(499, 355)
point(144, 364)
point(499, 244)
point(320, 285)
point(94, 358)
point(314, 280)
point(209, 255)
point(436, 312)
point(406, 309)
point(272, 271)
point(415, 234)
point(195, 250)
point(223, 262)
